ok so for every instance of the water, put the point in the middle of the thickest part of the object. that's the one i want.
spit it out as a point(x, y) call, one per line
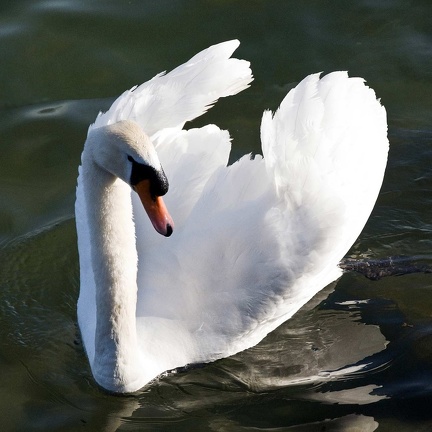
point(358, 355)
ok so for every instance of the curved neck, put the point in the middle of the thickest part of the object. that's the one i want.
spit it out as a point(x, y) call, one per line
point(114, 263)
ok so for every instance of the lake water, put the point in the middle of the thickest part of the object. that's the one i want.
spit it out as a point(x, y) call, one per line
point(358, 356)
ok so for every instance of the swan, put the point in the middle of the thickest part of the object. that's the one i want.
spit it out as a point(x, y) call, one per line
point(244, 246)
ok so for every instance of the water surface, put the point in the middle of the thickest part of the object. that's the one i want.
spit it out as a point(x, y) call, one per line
point(357, 355)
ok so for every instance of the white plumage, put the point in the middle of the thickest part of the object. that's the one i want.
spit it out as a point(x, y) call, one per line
point(253, 241)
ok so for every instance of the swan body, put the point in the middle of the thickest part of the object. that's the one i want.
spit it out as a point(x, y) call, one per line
point(252, 242)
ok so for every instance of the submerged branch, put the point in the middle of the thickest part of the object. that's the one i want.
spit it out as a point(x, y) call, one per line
point(377, 269)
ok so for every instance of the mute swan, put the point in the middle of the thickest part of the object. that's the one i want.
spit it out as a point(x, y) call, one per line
point(252, 242)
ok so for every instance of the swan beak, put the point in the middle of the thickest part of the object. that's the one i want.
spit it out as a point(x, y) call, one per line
point(155, 209)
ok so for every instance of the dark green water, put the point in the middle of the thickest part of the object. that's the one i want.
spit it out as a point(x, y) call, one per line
point(62, 62)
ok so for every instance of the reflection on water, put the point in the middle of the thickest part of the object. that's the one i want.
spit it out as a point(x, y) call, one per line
point(328, 339)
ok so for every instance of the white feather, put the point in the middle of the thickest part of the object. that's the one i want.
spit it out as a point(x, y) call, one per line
point(253, 242)
point(170, 100)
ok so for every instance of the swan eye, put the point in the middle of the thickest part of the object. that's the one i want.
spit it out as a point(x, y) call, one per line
point(157, 178)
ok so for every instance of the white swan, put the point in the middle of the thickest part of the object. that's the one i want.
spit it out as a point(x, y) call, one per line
point(252, 242)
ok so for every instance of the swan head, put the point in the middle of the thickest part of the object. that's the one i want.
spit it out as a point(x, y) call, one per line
point(125, 151)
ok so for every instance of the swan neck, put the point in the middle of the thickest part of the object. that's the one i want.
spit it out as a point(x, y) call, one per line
point(114, 262)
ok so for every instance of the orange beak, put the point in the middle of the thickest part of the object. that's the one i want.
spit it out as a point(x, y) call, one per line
point(155, 209)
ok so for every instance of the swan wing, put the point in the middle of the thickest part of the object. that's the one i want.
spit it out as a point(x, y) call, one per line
point(326, 147)
point(264, 235)
point(188, 91)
